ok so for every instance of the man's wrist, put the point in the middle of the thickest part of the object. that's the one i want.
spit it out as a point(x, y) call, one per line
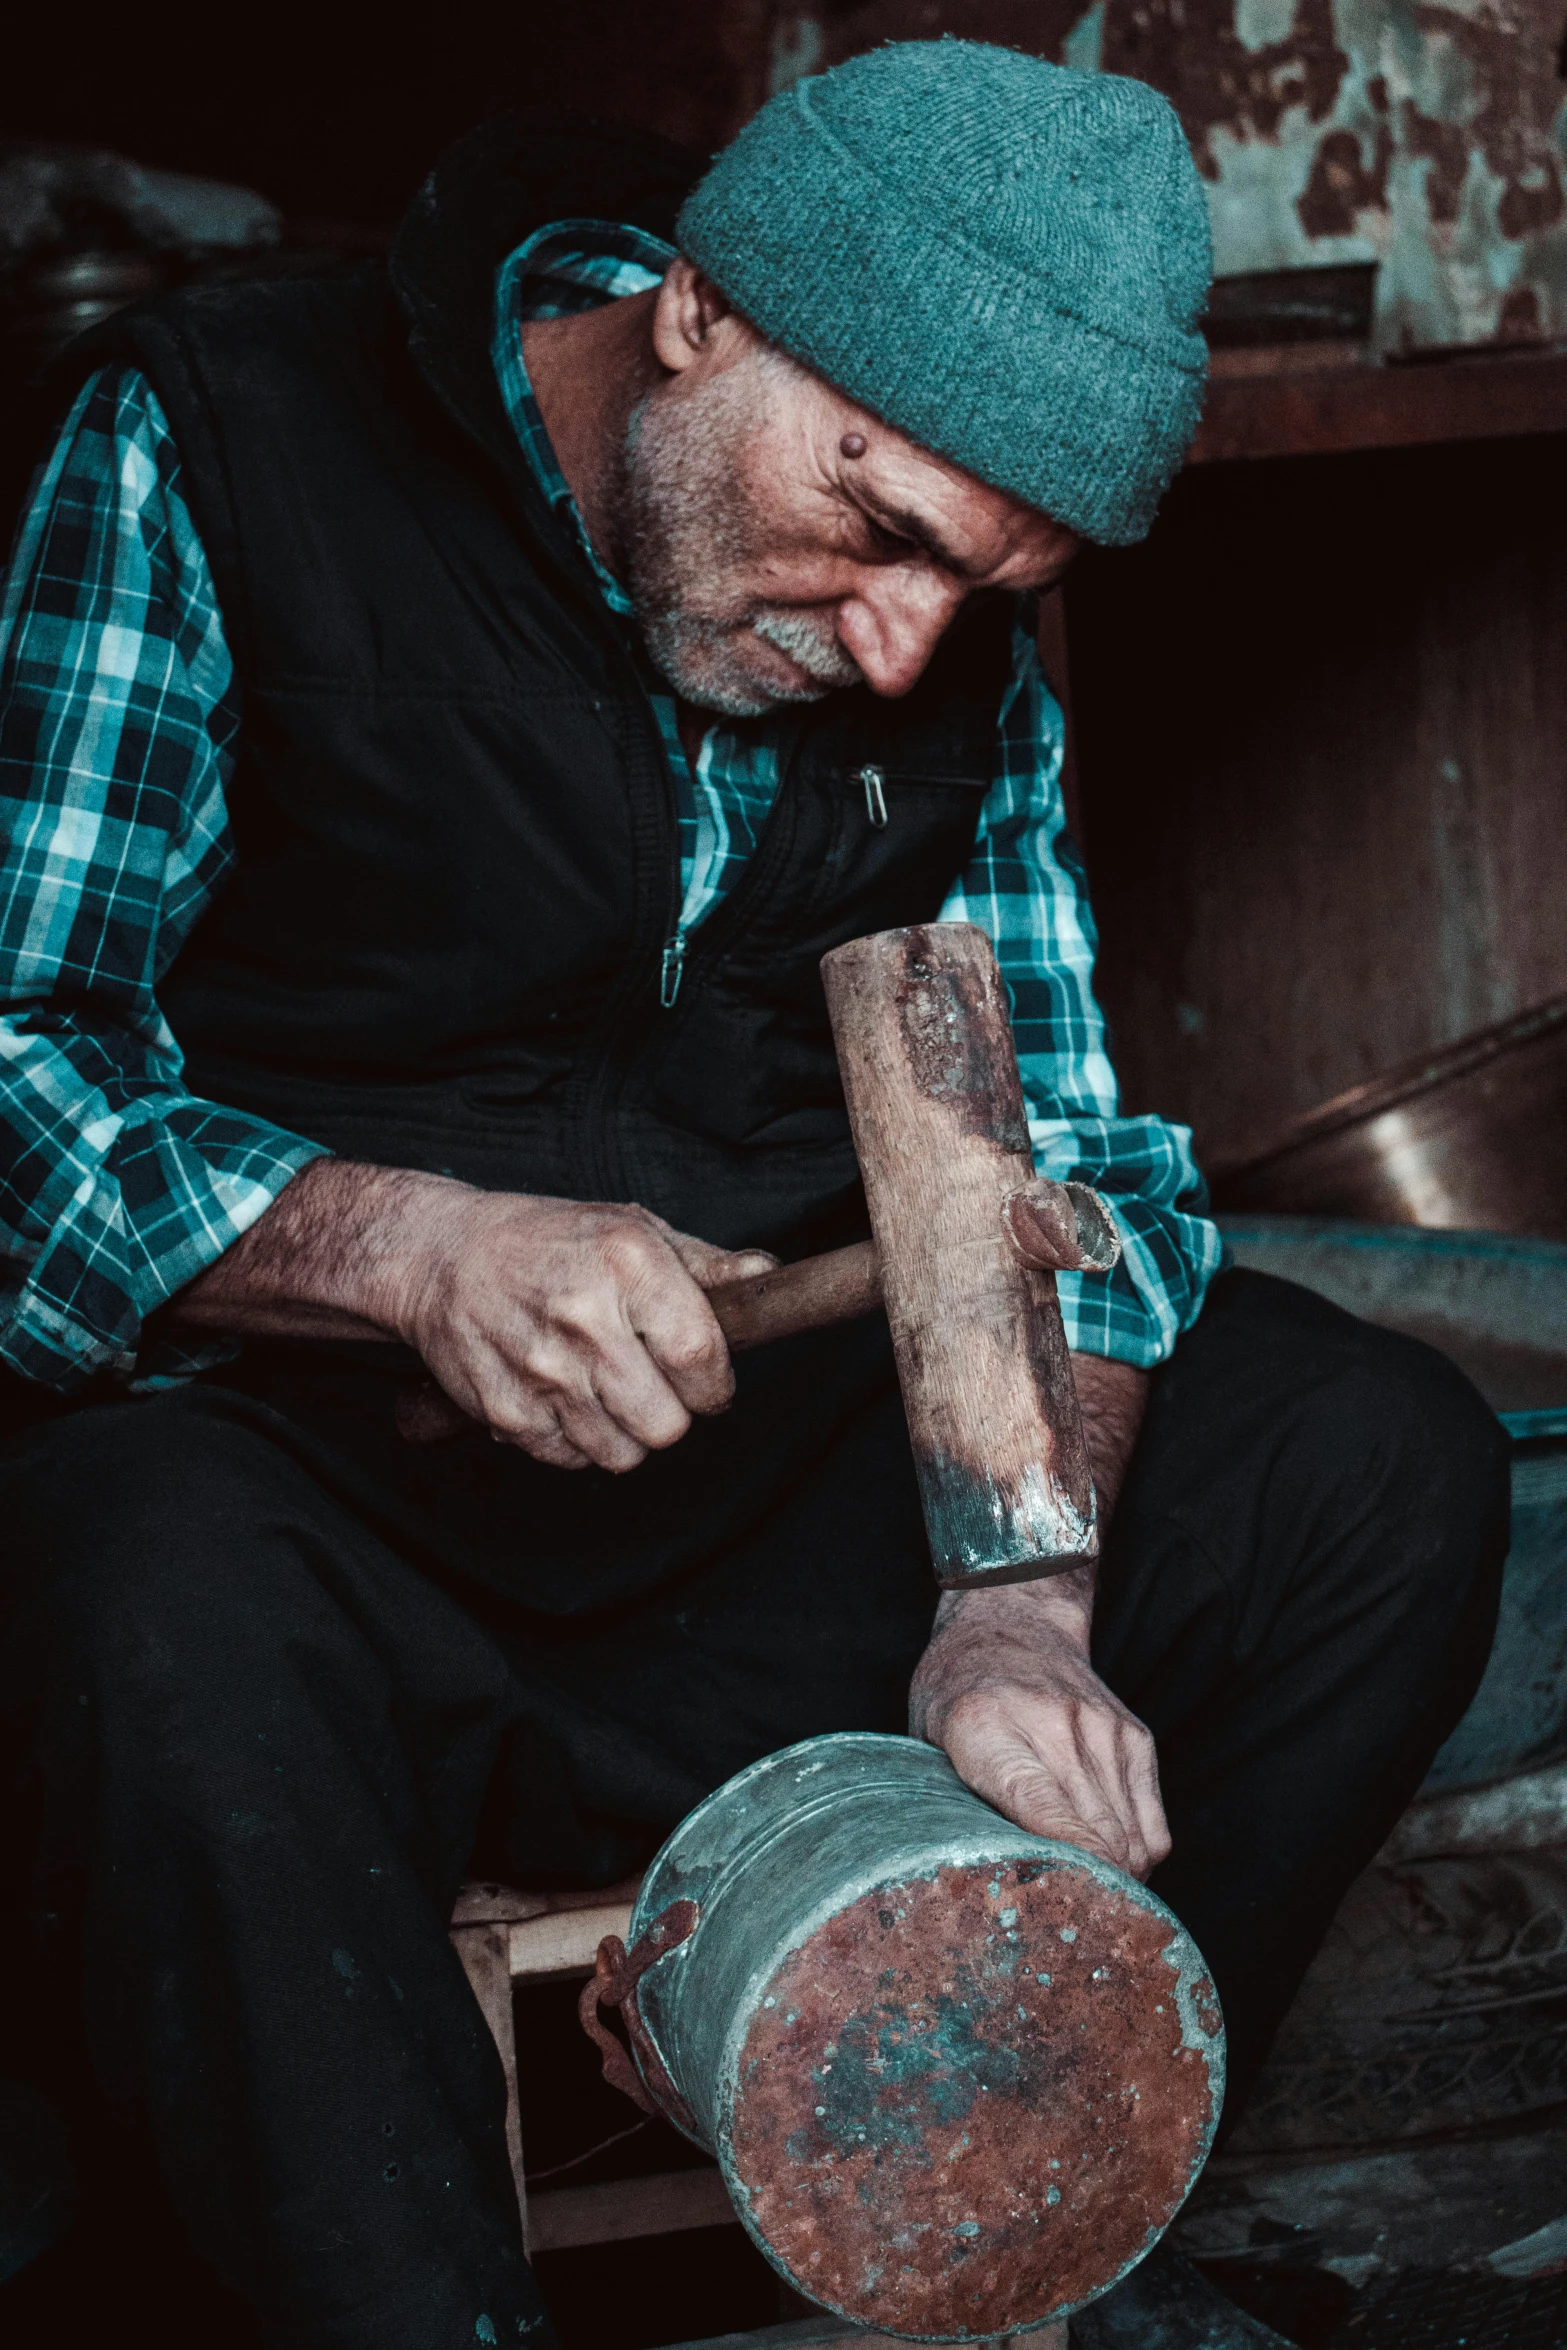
point(345, 1250)
point(1111, 1397)
point(407, 1235)
point(994, 1635)
point(1003, 1610)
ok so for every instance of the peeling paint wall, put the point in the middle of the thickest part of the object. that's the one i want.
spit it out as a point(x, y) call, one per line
point(1427, 135)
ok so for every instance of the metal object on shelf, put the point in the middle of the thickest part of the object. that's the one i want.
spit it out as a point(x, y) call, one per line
point(83, 232)
point(1273, 306)
point(43, 305)
point(1472, 1137)
point(64, 199)
point(958, 2079)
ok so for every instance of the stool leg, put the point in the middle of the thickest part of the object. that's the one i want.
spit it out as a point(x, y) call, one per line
point(485, 1952)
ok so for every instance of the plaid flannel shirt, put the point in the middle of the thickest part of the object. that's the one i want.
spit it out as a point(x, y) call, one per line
point(119, 711)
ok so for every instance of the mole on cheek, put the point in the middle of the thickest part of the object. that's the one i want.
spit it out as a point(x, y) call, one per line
point(853, 444)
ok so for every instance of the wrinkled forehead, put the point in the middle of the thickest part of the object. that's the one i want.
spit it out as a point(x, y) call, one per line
point(884, 468)
point(899, 467)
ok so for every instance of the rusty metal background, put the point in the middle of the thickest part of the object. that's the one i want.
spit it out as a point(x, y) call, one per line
point(1425, 135)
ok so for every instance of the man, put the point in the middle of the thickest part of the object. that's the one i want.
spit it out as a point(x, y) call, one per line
point(447, 719)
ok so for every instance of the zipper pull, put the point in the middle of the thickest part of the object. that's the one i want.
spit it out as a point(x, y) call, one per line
point(875, 797)
point(672, 970)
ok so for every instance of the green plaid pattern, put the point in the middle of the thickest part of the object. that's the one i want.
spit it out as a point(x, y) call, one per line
point(118, 715)
point(117, 718)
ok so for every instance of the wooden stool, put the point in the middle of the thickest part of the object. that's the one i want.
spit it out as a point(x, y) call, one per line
point(504, 1938)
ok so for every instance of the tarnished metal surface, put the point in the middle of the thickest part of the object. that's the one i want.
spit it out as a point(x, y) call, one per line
point(958, 2078)
point(1496, 1302)
point(1425, 136)
point(1473, 1136)
point(1417, 135)
point(969, 2099)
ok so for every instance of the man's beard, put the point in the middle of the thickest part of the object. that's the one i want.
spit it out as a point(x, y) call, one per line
point(689, 538)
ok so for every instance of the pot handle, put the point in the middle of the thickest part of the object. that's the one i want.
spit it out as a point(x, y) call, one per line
point(613, 1983)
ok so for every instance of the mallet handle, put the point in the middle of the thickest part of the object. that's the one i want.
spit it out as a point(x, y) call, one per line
point(804, 1296)
point(777, 1304)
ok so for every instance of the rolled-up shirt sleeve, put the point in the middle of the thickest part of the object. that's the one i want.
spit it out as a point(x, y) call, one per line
point(117, 712)
point(1026, 886)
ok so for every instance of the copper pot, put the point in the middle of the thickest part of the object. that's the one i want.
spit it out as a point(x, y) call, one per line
point(1472, 1137)
point(958, 2078)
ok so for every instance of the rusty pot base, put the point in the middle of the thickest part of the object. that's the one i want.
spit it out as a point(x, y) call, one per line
point(968, 2100)
point(958, 2078)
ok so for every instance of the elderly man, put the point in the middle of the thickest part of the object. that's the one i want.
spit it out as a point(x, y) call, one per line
point(448, 713)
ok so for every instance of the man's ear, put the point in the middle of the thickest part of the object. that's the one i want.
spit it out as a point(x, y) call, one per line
point(688, 308)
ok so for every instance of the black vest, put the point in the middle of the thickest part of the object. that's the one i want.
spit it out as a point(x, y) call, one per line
point(457, 859)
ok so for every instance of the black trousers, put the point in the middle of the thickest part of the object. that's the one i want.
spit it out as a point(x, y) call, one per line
point(273, 1685)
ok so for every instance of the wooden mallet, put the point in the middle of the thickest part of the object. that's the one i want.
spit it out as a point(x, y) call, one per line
point(966, 1244)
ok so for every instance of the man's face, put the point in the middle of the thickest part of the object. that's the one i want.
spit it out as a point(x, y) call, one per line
point(780, 542)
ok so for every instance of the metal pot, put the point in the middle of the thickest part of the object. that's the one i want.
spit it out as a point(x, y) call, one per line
point(1471, 1137)
point(958, 2079)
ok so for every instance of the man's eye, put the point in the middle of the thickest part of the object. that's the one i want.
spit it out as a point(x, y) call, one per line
point(888, 542)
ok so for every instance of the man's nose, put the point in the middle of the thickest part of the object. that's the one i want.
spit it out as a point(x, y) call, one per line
point(892, 625)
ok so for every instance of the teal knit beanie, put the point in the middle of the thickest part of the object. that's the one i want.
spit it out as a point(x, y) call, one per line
point(1001, 258)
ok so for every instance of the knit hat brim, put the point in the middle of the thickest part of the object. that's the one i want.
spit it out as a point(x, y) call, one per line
point(1042, 402)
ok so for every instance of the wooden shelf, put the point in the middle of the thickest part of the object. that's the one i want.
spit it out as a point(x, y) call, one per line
point(1292, 402)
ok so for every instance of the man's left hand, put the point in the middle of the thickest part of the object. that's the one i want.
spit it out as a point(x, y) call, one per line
point(1007, 1688)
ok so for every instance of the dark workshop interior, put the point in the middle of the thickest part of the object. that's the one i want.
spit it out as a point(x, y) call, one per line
point(1317, 769)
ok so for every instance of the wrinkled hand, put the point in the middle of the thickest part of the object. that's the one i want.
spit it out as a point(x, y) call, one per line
point(1007, 1689)
point(579, 1332)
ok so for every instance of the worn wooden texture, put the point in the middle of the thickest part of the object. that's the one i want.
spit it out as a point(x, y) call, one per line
point(1322, 724)
point(504, 1937)
point(930, 1075)
point(667, 2203)
point(565, 1942)
point(810, 1295)
point(485, 1951)
point(489, 1904)
point(1291, 407)
point(1066, 1219)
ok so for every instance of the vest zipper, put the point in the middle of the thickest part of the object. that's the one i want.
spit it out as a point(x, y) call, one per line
point(871, 781)
point(672, 969)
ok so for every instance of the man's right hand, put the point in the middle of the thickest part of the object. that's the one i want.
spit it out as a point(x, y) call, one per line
point(577, 1331)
